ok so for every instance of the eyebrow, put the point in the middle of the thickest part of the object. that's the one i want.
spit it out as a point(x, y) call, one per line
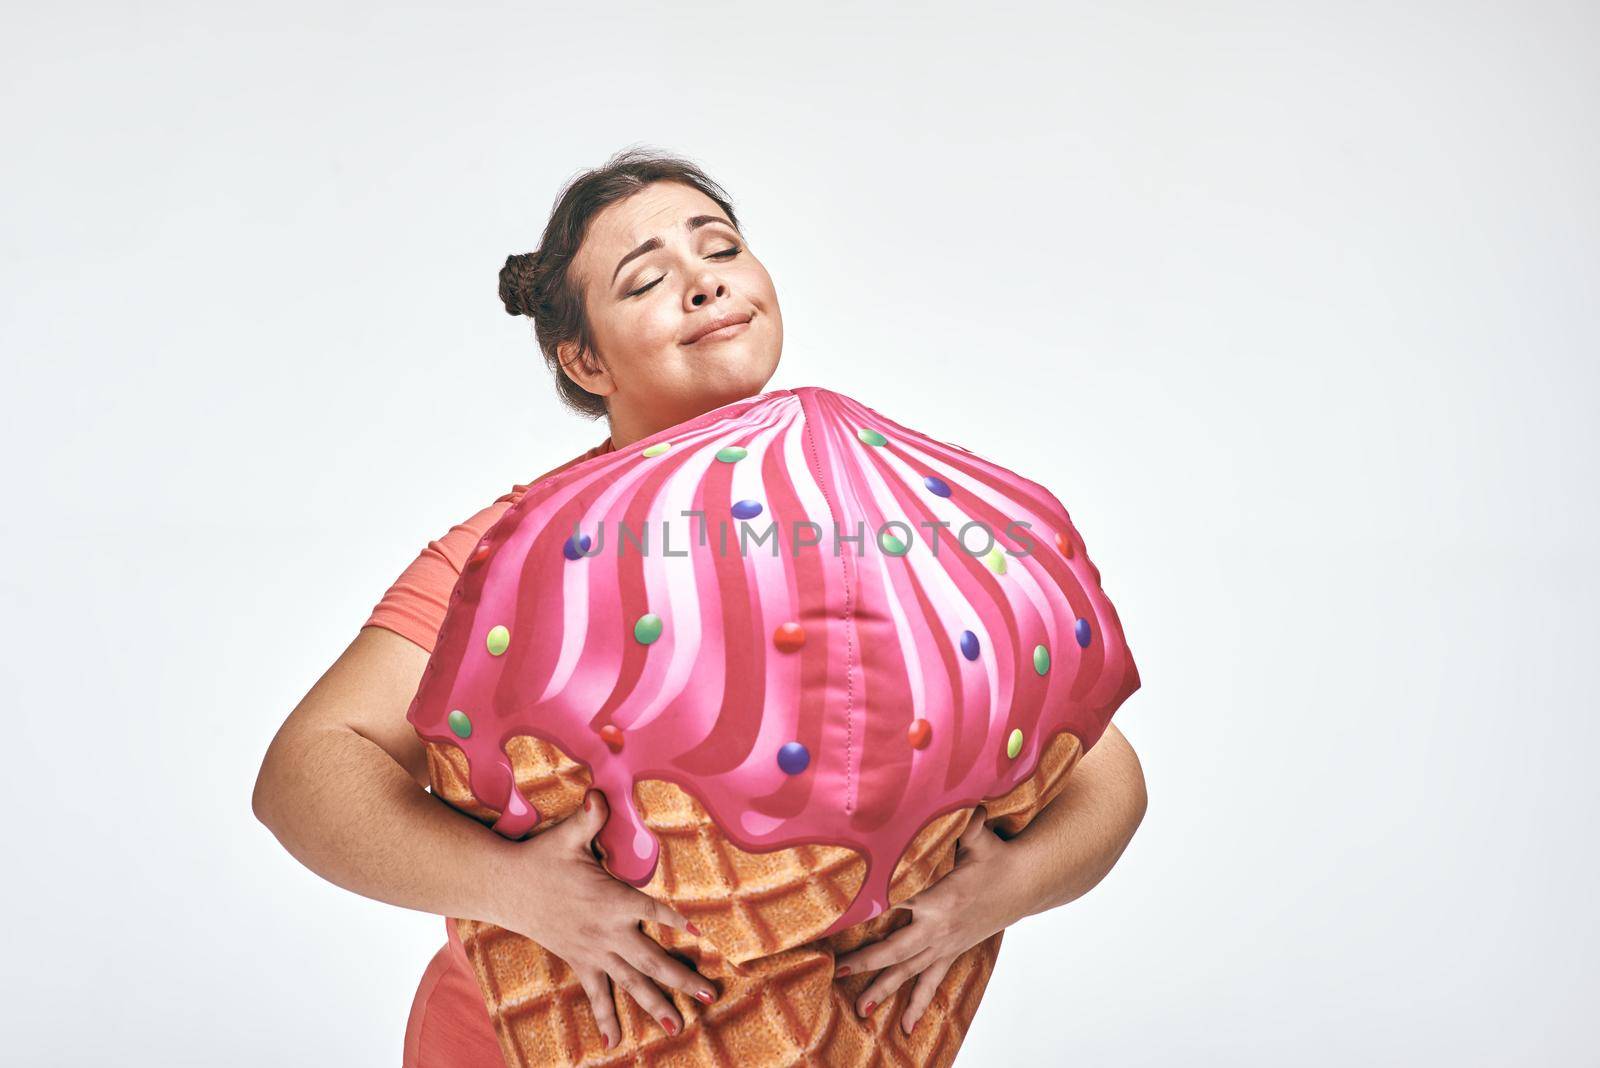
point(693, 223)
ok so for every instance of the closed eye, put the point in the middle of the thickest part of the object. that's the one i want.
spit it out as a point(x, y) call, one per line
point(725, 254)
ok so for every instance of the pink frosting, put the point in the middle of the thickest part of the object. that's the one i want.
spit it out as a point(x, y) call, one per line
point(713, 702)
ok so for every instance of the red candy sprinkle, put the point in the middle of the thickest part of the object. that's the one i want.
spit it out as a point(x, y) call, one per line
point(611, 734)
point(789, 637)
point(918, 733)
point(1064, 543)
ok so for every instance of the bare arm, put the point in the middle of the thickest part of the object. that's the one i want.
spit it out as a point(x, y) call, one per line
point(1077, 838)
point(342, 787)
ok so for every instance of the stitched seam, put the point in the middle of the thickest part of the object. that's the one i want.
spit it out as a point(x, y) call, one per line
point(848, 619)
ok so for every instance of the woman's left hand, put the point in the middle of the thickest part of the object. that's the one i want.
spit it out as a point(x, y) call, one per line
point(968, 904)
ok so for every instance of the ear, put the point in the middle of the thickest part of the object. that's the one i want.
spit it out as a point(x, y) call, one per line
point(585, 369)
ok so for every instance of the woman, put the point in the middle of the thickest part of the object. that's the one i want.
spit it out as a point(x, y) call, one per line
point(651, 309)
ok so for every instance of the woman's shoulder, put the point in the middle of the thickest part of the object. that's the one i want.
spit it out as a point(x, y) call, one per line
point(509, 498)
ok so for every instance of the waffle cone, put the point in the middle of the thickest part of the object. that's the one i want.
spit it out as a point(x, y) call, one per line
point(760, 914)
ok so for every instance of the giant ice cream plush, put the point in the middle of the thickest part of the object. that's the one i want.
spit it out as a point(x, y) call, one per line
point(795, 643)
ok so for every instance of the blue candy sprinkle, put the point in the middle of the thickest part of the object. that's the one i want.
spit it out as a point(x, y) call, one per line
point(937, 486)
point(746, 509)
point(793, 758)
point(1082, 629)
point(576, 551)
point(969, 645)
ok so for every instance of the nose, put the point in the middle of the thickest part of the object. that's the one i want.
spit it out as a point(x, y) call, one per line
point(701, 294)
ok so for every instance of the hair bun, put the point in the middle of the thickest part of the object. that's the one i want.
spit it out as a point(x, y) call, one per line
point(517, 289)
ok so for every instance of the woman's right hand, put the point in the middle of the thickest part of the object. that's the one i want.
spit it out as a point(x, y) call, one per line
point(558, 894)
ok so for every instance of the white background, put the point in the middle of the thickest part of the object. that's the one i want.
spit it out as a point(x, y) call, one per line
point(1292, 305)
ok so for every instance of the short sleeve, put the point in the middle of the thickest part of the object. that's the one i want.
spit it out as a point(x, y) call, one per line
point(414, 607)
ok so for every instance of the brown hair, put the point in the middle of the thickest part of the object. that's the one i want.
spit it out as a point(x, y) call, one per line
point(537, 284)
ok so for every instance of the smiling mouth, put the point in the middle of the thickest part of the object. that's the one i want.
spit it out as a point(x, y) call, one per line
point(729, 330)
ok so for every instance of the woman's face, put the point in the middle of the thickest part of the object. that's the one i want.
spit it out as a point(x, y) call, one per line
point(655, 270)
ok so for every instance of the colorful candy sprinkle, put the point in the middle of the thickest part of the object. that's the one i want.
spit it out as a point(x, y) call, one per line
point(611, 734)
point(729, 453)
point(648, 629)
point(460, 725)
point(1081, 628)
point(891, 544)
point(871, 437)
point(1064, 543)
point(793, 758)
point(657, 449)
point(576, 550)
point(996, 560)
point(746, 509)
point(918, 733)
point(936, 485)
point(499, 640)
point(1014, 743)
point(481, 553)
point(1041, 659)
point(969, 645)
point(789, 637)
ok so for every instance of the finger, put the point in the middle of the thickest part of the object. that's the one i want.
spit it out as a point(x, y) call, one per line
point(597, 985)
point(584, 824)
point(928, 981)
point(902, 944)
point(646, 955)
point(657, 911)
point(975, 828)
point(889, 980)
point(645, 994)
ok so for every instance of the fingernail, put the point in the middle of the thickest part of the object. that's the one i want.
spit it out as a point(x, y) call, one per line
point(691, 928)
point(606, 1039)
point(670, 1024)
point(588, 802)
point(843, 970)
point(868, 1010)
point(705, 995)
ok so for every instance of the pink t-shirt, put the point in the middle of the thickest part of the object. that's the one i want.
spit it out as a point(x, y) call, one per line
point(449, 1025)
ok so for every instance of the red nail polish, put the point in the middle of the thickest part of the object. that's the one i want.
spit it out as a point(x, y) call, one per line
point(605, 1038)
point(705, 996)
point(588, 803)
point(843, 971)
point(868, 1010)
point(669, 1024)
point(692, 929)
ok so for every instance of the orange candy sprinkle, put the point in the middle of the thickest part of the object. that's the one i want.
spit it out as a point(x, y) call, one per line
point(789, 637)
point(918, 733)
point(611, 734)
point(1064, 543)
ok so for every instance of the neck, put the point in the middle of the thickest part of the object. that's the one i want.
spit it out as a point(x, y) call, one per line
point(628, 427)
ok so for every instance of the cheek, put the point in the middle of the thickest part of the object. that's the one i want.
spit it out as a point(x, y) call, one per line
point(643, 335)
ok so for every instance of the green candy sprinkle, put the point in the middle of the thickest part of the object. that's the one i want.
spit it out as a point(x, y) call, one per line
point(1041, 659)
point(460, 724)
point(499, 640)
point(871, 437)
point(1014, 743)
point(658, 448)
point(891, 544)
point(730, 453)
point(648, 629)
point(996, 560)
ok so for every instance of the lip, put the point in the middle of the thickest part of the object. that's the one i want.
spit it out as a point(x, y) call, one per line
point(717, 329)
